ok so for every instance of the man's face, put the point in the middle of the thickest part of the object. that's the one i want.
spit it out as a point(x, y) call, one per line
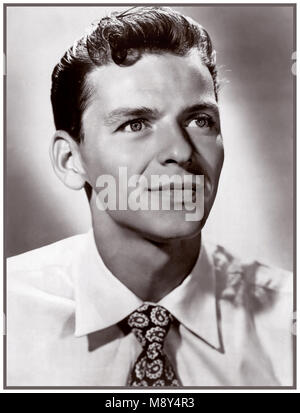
point(156, 117)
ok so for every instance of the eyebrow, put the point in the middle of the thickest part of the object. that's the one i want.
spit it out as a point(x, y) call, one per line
point(120, 113)
point(212, 107)
point(117, 115)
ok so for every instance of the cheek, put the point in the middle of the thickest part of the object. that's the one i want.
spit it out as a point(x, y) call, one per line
point(217, 156)
point(106, 158)
point(211, 152)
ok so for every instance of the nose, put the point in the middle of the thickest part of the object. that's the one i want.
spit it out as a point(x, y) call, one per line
point(176, 147)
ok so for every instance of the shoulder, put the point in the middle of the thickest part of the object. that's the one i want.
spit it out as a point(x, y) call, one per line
point(238, 278)
point(264, 292)
point(40, 306)
point(57, 253)
point(257, 299)
point(47, 270)
point(40, 288)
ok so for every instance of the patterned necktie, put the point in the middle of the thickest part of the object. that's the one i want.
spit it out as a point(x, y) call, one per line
point(150, 325)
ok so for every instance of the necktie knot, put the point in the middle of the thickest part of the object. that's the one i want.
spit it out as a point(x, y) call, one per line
point(150, 324)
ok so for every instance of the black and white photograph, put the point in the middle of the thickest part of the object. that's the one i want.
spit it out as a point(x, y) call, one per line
point(149, 196)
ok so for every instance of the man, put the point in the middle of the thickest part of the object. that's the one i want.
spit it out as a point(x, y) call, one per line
point(140, 300)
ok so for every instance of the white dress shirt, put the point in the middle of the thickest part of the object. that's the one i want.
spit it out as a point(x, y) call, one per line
point(63, 308)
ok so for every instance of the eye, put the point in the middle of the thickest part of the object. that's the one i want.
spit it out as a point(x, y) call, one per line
point(200, 121)
point(136, 125)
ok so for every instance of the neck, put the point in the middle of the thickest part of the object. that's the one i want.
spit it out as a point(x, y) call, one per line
point(149, 269)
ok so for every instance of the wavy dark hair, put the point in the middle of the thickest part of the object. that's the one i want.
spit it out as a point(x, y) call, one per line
point(122, 38)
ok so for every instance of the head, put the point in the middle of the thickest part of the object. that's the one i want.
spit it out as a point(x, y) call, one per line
point(139, 91)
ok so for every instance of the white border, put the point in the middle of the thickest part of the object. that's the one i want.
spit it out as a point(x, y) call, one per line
point(167, 393)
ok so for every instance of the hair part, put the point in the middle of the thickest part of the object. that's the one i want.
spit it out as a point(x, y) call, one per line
point(122, 39)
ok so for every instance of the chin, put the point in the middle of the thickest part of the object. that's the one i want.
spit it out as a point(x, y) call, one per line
point(166, 227)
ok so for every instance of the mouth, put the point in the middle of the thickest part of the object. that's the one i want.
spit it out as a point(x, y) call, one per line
point(175, 186)
point(170, 188)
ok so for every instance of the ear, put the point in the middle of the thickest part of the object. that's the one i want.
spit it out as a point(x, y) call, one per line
point(66, 160)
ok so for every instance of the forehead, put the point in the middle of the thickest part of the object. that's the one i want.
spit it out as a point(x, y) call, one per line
point(165, 81)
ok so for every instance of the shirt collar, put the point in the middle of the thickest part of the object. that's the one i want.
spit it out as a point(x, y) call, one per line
point(102, 300)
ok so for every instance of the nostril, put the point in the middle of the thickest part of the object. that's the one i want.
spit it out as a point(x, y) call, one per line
point(170, 160)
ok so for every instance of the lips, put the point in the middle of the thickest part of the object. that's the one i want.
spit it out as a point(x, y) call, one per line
point(170, 187)
point(175, 186)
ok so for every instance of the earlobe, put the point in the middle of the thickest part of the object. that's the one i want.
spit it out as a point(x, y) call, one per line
point(66, 162)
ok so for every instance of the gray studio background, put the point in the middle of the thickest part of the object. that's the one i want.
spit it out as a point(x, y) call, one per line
point(253, 213)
